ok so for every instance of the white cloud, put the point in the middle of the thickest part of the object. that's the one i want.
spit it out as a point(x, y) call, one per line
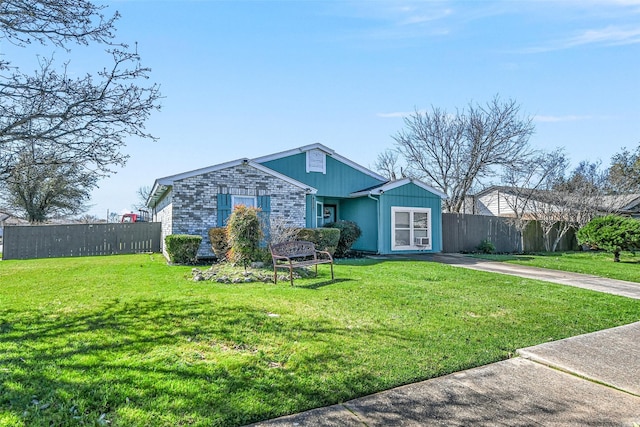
point(557, 119)
point(609, 36)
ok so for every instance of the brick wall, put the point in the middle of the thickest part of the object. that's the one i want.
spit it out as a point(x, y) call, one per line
point(192, 204)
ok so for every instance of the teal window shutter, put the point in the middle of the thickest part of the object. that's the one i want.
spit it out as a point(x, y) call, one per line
point(264, 204)
point(224, 209)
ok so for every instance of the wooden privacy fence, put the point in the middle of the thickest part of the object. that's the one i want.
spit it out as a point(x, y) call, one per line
point(51, 241)
point(463, 233)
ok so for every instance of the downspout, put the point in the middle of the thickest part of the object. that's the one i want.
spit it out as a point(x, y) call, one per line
point(379, 224)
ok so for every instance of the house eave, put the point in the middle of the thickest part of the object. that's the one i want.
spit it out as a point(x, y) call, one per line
point(390, 185)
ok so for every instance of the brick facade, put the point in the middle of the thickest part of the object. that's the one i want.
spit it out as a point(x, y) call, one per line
point(190, 206)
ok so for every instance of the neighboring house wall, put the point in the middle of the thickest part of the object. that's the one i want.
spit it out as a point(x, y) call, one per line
point(496, 203)
point(194, 200)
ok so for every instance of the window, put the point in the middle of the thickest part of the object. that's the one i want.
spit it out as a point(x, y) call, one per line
point(410, 228)
point(248, 201)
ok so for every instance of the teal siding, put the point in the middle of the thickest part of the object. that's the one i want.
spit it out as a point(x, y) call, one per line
point(410, 195)
point(310, 211)
point(364, 212)
point(339, 181)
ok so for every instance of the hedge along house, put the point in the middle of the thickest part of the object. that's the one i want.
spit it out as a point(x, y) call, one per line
point(304, 187)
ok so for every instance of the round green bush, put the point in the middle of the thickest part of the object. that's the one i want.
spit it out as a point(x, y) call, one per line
point(182, 248)
point(349, 233)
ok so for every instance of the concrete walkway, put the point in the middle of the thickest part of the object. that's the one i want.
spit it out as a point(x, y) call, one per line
point(586, 281)
point(588, 380)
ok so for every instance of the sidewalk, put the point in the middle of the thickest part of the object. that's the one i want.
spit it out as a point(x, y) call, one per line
point(588, 380)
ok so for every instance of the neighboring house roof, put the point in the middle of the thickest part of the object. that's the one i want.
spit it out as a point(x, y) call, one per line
point(161, 185)
point(326, 150)
point(623, 203)
point(619, 203)
point(390, 185)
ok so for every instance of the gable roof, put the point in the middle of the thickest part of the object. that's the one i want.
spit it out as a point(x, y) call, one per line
point(161, 185)
point(390, 185)
point(326, 150)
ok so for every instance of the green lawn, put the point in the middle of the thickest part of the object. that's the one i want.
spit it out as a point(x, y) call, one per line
point(130, 341)
point(596, 263)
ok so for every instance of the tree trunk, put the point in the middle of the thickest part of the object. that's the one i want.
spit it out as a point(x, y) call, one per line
point(616, 256)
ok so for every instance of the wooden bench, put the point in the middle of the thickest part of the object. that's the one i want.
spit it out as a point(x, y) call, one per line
point(300, 253)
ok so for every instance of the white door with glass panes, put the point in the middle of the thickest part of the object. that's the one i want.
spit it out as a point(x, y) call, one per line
point(410, 228)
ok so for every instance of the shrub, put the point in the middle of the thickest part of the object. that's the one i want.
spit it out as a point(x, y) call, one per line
point(486, 247)
point(219, 242)
point(280, 231)
point(611, 233)
point(325, 239)
point(182, 248)
point(245, 232)
point(349, 233)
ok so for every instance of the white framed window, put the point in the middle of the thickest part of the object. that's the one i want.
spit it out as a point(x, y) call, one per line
point(248, 201)
point(410, 228)
point(319, 214)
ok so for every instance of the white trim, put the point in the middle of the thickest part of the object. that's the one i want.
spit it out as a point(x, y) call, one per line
point(315, 213)
point(413, 240)
point(390, 185)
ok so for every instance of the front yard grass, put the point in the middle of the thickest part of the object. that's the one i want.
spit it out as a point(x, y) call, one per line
point(130, 341)
point(595, 263)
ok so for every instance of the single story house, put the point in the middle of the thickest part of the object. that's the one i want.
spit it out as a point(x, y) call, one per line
point(505, 201)
point(303, 187)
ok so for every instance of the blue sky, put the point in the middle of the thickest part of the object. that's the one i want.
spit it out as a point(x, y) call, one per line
point(250, 78)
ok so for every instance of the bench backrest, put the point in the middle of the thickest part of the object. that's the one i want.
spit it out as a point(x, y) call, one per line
point(295, 249)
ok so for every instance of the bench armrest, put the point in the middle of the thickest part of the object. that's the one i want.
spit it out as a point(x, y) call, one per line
point(328, 255)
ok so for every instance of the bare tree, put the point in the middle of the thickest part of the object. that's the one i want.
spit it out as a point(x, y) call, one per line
point(454, 152)
point(42, 189)
point(75, 120)
point(387, 164)
point(585, 190)
point(529, 184)
point(143, 194)
point(541, 192)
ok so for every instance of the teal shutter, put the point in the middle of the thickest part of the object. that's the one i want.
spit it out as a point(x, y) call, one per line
point(264, 204)
point(224, 209)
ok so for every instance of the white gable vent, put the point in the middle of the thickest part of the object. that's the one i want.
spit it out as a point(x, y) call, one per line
point(316, 161)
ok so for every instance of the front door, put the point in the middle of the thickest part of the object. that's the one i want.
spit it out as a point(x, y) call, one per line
point(329, 214)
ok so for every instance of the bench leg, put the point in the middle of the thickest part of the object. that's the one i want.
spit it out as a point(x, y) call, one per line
point(331, 271)
point(291, 275)
point(275, 276)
